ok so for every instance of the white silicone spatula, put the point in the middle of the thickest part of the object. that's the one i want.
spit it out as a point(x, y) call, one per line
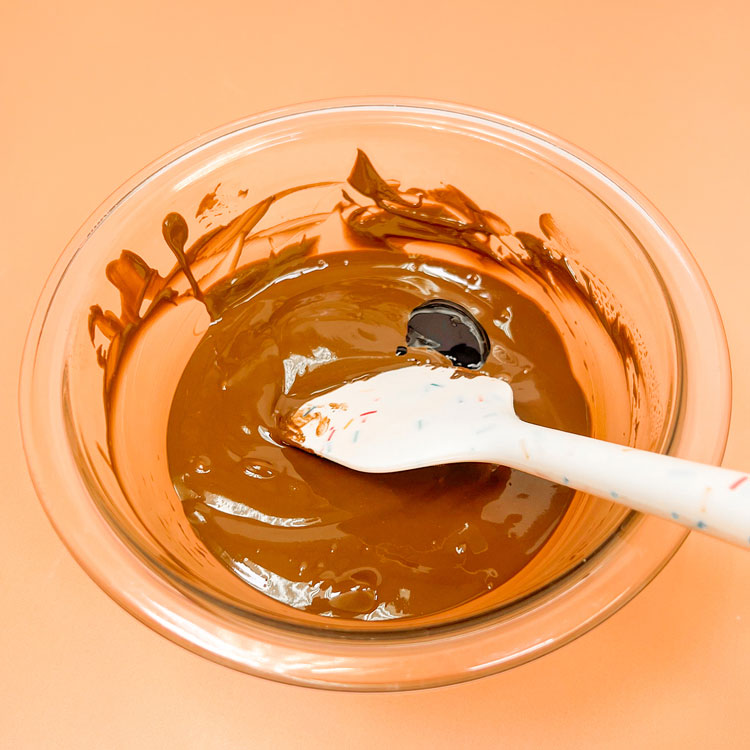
point(422, 415)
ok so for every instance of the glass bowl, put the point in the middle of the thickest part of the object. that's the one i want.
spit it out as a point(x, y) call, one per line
point(130, 535)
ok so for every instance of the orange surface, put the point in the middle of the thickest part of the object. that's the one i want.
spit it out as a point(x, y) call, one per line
point(91, 91)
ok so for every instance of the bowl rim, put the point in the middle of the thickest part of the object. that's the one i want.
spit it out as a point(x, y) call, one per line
point(168, 611)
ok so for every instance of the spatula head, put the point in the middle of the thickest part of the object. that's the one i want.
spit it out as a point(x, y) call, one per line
point(404, 419)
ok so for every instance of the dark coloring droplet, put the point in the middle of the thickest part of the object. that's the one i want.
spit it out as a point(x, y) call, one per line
point(400, 351)
point(450, 329)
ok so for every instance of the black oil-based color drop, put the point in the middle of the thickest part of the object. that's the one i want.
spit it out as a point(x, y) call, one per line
point(450, 329)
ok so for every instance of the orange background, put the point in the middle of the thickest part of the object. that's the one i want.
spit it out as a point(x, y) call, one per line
point(91, 91)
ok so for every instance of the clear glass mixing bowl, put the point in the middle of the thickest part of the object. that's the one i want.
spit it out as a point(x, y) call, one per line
point(133, 540)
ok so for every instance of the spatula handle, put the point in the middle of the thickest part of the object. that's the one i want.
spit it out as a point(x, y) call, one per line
point(706, 498)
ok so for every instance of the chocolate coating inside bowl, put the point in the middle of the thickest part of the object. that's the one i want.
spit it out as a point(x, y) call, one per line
point(367, 287)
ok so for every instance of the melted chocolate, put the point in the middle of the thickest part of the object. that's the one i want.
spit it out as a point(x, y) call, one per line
point(321, 537)
point(308, 532)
